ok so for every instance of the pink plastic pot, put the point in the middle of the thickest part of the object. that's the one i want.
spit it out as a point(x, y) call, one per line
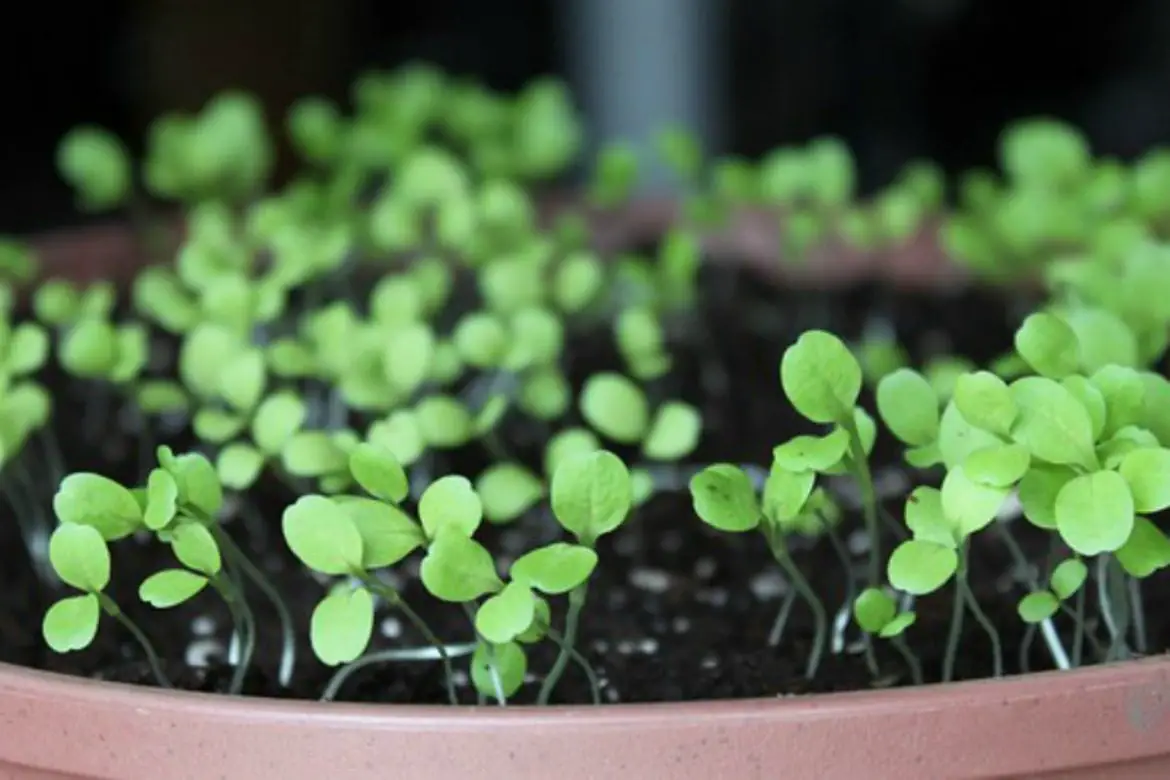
point(1103, 722)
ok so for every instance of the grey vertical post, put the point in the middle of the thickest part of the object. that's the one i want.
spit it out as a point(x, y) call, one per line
point(637, 65)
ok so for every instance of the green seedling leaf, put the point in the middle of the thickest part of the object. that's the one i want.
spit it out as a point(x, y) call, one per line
point(458, 569)
point(812, 453)
point(443, 422)
point(1103, 339)
point(873, 609)
point(71, 623)
point(27, 349)
point(197, 479)
point(409, 351)
point(1124, 393)
point(1091, 398)
point(511, 664)
point(1048, 345)
point(202, 358)
point(983, 399)
point(969, 505)
point(490, 414)
point(908, 405)
point(674, 432)
point(545, 394)
point(1052, 423)
point(998, 466)
point(171, 587)
point(579, 278)
point(555, 568)
point(342, 625)
point(388, 534)
point(506, 615)
point(724, 498)
point(958, 438)
point(1038, 491)
point(821, 378)
point(323, 536)
point(241, 382)
point(450, 502)
point(615, 407)
point(196, 548)
point(1146, 551)
point(216, 426)
point(1156, 409)
point(162, 498)
point(90, 349)
point(161, 397)
point(785, 494)
point(1068, 577)
point(918, 567)
point(379, 473)
point(277, 419)
point(1113, 450)
point(591, 494)
point(399, 435)
point(898, 625)
point(1095, 512)
point(238, 466)
point(567, 444)
point(90, 499)
point(1038, 606)
point(80, 557)
point(541, 621)
point(481, 340)
point(313, 454)
point(508, 490)
point(926, 519)
point(1147, 472)
point(642, 484)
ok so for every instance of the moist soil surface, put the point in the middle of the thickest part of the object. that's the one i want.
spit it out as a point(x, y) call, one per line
point(676, 611)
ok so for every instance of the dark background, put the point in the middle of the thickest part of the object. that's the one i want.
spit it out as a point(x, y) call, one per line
point(898, 79)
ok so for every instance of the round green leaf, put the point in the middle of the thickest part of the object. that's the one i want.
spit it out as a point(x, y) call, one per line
point(998, 466)
point(508, 490)
point(443, 422)
point(90, 349)
point(313, 454)
point(958, 438)
point(873, 609)
point(342, 625)
point(216, 426)
point(241, 382)
point(1037, 606)
point(674, 432)
point(724, 497)
point(898, 625)
point(968, 504)
point(278, 417)
point(545, 393)
point(28, 347)
point(591, 494)
point(1124, 393)
point(1147, 471)
point(1102, 337)
point(399, 435)
point(388, 534)
point(1091, 398)
point(926, 519)
point(170, 588)
point(91, 499)
point(567, 444)
point(812, 453)
point(203, 356)
point(80, 557)
point(458, 569)
point(1068, 577)
point(409, 351)
point(507, 614)
point(985, 401)
point(238, 466)
point(198, 481)
point(555, 568)
point(1048, 345)
point(378, 472)
point(162, 496)
point(615, 407)
point(918, 567)
point(196, 548)
point(322, 535)
point(71, 623)
point(1095, 512)
point(785, 494)
point(450, 502)
point(1038, 490)
point(481, 339)
point(909, 406)
point(510, 663)
point(1146, 551)
point(1052, 423)
point(821, 377)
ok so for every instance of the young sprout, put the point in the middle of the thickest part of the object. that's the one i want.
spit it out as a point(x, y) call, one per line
point(97, 166)
point(877, 613)
point(93, 511)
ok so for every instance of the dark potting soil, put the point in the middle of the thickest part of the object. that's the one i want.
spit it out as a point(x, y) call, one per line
point(675, 612)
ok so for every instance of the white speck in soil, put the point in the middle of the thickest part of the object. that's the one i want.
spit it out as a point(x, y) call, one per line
point(460, 678)
point(648, 646)
point(671, 541)
point(715, 597)
point(681, 625)
point(858, 543)
point(705, 568)
point(768, 585)
point(651, 580)
point(391, 627)
point(625, 647)
point(530, 678)
point(201, 651)
point(612, 695)
point(710, 662)
point(601, 646)
point(203, 625)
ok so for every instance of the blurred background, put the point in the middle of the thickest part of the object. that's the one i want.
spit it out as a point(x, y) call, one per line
point(897, 79)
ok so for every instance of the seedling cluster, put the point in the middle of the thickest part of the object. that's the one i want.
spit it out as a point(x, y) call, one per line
point(397, 303)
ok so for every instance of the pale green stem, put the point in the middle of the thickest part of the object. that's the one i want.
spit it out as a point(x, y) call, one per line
point(850, 596)
point(398, 655)
point(112, 609)
point(1113, 611)
point(1137, 610)
point(580, 660)
point(860, 468)
point(910, 658)
point(956, 631)
point(394, 599)
point(781, 620)
point(802, 586)
point(229, 589)
point(1048, 629)
point(577, 598)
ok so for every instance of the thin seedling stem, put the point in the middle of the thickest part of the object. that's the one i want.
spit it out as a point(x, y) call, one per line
point(956, 630)
point(860, 468)
point(781, 620)
point(1117, 646)
point(988, 627)
point(845, 614)
point(1048, 630)
point(577, 597)
point(112, 609)
point(395, 655)
point(910, 658)
point(494, 673)
point(1079, 636)
point(393, 598)
point(820, 617)
point(580, 660)
point(1137, 611)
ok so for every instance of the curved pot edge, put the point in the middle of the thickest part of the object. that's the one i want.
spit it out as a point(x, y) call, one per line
point(1049, 721)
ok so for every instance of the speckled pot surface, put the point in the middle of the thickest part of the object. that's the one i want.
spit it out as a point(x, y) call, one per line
point(1101, 722)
